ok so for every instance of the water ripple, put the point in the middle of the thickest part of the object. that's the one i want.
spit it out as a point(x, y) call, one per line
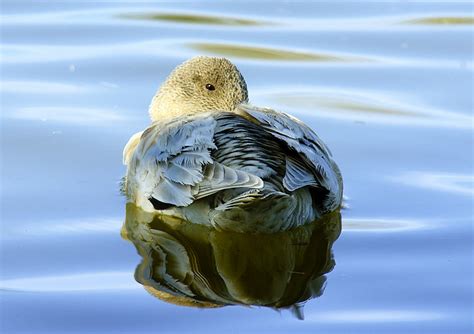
point(196, 18)
point(275, 54)
point(442, 20)
point(461, 184)
point(84, 226)
point(97, 281)
point(74, 115)
point(266, 54)
point(41, 87)
point(101, 16)
point(361, 106)
point(374, 316)
point(382, 225)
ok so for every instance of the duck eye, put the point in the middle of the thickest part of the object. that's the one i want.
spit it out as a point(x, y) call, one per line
point(210, 87)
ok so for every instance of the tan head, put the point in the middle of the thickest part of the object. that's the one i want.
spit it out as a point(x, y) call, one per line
point(198, 85)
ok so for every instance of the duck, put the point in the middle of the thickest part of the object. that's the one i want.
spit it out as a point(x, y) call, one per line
point(212, 158)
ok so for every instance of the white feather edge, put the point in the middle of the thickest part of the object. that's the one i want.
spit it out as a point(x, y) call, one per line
point(130, 147)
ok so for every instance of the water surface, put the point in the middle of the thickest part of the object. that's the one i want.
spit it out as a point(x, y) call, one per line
point(387, 85)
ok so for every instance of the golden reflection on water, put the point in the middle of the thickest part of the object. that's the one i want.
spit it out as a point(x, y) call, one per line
point(196, 19)
point(341, 103)
point(193, 265)
point(453, 20)
point(254, 52)
point(363, 107)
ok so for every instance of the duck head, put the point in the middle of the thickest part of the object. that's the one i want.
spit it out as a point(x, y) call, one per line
point(200, 84)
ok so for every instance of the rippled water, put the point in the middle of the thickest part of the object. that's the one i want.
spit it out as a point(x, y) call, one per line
point(387, 85)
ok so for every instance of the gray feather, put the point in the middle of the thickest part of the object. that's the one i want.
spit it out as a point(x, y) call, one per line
point(167, 191)
point(297, 175)
point(183, 174)
point(170, 159)
point(300, 138)
point(219, 177)
point(172, 163)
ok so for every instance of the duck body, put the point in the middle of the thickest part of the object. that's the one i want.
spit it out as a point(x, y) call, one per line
point(247, 170)
point(232, 166)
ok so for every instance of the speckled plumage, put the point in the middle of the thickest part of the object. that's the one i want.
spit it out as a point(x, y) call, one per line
point(212, 158)
point(184, 91)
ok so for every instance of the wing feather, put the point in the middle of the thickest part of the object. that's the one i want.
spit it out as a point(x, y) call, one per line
point(316, 157)
point(220, 177)
point(297, 175)
point(130, 147)
point(171, 162)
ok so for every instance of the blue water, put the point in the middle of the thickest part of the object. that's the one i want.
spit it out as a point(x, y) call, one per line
point(387, 85)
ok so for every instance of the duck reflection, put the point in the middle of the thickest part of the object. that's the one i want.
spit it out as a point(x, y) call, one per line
point(194, 265)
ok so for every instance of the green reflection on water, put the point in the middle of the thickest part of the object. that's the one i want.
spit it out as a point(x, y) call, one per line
point(310, 101)
point(367, 108)
point(443, 20)
point(252, 52)
point(196, 19)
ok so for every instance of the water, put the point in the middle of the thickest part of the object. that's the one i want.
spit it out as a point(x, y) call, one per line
point(387, 85)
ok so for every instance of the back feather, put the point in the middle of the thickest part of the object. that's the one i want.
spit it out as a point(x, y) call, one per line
point(172, 164)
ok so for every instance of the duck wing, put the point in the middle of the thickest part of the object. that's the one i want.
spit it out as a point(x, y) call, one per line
point(171, 165)
point(309, 162)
